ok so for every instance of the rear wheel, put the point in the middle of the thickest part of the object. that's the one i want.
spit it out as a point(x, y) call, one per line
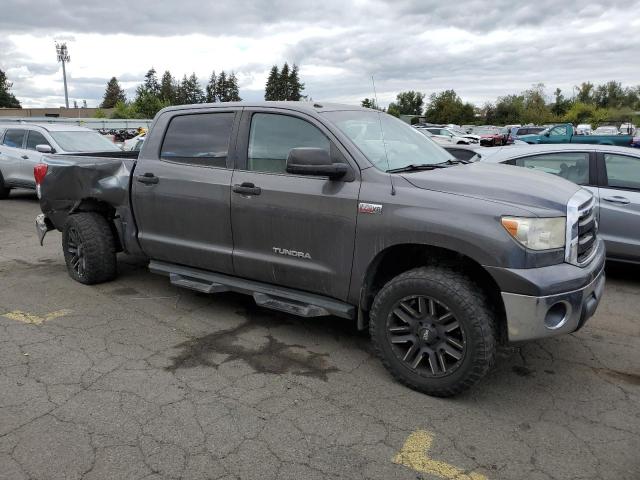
point(89, 248)
point(433, 329)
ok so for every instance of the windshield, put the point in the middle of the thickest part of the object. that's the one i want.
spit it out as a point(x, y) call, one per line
point(83, 141)
point(404, 145)
point(486, 131)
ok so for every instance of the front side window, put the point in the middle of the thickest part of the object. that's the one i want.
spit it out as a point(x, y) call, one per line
point(14, 138)
point(572, 166)
point(273, 136)
point(200, 139)
point(623, 171)
point(35, 138)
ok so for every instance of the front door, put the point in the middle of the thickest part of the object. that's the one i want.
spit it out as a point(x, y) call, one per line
point(291, 230)
point(620, 205)
point(181, 190)
point(559, 134)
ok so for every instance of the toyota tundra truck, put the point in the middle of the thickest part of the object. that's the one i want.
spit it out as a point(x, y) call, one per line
point(337, 210)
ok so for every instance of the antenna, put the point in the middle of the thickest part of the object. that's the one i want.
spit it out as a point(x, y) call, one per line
point(384, 142)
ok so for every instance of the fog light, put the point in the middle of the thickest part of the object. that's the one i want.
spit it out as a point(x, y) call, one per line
point(556, 316)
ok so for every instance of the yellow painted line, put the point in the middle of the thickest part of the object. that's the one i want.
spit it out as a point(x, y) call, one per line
point(414, 455)
point(26, 317)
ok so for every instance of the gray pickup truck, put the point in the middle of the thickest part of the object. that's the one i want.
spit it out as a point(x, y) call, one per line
point(337, 210)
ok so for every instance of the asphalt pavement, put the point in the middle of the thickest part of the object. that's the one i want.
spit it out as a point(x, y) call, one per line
point(138, 379)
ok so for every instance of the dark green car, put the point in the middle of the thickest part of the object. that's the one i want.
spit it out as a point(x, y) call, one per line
point(565, 133)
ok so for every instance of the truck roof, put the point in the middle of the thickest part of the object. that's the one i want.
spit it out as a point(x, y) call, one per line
point(298, 106)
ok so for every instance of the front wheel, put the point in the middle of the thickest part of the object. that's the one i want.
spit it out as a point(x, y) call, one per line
point(89, 248)
point(4, 190)
point(433, 330)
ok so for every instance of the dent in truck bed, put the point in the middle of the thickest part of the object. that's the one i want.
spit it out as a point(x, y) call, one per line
point(72, 181)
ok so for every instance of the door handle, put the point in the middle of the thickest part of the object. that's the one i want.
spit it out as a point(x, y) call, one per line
point(25, 157)
point(147, 178)
point(247, 188)
point(617, 199)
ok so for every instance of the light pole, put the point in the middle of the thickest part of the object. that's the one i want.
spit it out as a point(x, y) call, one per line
point(63, 56)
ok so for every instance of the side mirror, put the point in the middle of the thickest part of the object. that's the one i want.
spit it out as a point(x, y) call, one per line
point(44, 148)
point(546, 134)
point(314, 161)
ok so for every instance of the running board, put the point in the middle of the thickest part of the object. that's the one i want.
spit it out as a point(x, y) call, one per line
point(265, 295)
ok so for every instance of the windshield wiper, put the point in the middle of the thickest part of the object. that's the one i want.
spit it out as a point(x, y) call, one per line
point(415, 167)
point(453, 161)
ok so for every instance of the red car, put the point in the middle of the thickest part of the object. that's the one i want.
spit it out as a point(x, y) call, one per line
point(489, 136)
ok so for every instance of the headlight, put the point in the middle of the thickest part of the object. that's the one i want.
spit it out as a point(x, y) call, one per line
point(537, 233)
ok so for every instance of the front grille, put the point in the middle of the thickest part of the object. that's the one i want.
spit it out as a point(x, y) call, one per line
point(587, 229)
point(582, 228)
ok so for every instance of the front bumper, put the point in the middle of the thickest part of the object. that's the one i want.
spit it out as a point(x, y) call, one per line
point(530, 317)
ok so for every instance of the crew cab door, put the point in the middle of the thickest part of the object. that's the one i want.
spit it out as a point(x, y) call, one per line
point(181, 188)
point(620, 204)
point(291, 230)
point(11, 156)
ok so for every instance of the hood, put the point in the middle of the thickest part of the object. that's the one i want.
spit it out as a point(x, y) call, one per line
point(471, 135)
point(502, 183)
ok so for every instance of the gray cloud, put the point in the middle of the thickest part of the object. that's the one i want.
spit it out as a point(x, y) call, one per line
point(401, 42)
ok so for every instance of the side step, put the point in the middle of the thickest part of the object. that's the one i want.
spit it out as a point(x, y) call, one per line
point(266, 295)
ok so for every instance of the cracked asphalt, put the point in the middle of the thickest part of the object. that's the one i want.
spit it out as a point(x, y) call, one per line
point(138, 379)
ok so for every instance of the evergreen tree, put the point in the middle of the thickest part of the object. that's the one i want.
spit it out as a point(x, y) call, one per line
point(190, 91)
point(295, 88)
point(233, 92)
point(151, 84)
point(369, 103)
point(270, 90)
point(168, 88)
point(7, 99)
point(222, 87)
point(113, 94)
point(283, 83)
point(212, 88)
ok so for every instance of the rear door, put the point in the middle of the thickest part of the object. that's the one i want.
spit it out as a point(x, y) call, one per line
point(293, 230)
point(620, 205)
point(181, 189)
point(11, 157)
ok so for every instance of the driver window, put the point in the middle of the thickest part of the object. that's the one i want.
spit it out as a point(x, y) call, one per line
point(560, 130)
point(272, 136)
point(34, 139)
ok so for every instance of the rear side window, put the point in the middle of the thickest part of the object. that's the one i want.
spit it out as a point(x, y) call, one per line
point(622, 171)
point(272, 136)
point(572, 166)
point(35, 138)
point(14, 138)
point(201, 139)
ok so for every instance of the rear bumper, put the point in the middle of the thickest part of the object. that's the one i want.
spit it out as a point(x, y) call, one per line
point(530, 317)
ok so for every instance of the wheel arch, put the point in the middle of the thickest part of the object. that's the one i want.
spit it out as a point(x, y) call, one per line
point(90, 204)
point(399, 258)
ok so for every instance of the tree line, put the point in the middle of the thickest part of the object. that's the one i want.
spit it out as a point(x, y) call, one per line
point(7, 99)
point(595, 104)
point(154, 94)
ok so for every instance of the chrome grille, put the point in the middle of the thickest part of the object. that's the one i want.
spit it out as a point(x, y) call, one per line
point(582, 228)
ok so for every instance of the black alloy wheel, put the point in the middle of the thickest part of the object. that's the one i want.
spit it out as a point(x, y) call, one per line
point(425, 336)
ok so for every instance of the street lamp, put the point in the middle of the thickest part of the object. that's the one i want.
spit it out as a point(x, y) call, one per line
point(63, 56)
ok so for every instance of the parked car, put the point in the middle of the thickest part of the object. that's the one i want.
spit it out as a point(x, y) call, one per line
point(611, 173)
point(582, 129)
point(465, 152)
point(518, 132)
point(628, 129)
point(606, 130)
point(564, 133)
point(22, 146)
point(339, 210)
point(449, 136)
point(636, 141)
point(489, 136)
point(134, 143)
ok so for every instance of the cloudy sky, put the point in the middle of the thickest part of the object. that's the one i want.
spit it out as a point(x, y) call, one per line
point(482, 49)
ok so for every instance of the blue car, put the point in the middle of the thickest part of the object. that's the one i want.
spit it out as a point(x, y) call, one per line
point(636, 140)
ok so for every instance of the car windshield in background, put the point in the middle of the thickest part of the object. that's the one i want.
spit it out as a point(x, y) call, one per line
point(388, 143)
point(80, 141)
